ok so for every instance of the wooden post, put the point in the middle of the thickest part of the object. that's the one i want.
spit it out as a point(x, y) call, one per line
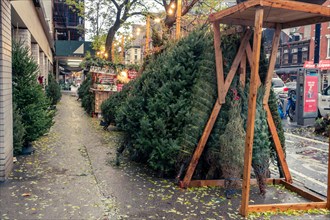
point(237, 60)
point(201, 144)
point(252, 111)
point(219, 62)
point(178, 20)
point(278, 146)
point(242, 76)
point(147, 34)
point(122, 49)
point(272, 61)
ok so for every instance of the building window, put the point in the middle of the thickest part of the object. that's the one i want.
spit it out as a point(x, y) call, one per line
point(295, 58)
point(136, 51)
point(304, 56)
point(136, 57)
point(328, 50)
point(285, 58)
point(278, 58)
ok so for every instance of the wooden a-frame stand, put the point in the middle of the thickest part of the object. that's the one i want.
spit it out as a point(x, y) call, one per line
point(256, 14)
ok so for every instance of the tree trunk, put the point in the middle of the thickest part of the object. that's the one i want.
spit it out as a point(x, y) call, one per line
point(169, 21)
point(110, 37)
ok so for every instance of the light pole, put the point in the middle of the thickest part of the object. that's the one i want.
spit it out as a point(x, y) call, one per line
point(147, 34)
point(178, 20)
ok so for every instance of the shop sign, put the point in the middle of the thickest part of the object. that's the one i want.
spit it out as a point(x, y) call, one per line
point(309, 64)
point(311, 93)
point(131, 74)
point(324, 64)
point(119, 87)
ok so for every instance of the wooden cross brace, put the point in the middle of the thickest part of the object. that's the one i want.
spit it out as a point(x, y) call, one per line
point(245, 53)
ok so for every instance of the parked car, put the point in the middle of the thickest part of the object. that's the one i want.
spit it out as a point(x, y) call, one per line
point(324, 102)
point(279, 87)
point(291, 86)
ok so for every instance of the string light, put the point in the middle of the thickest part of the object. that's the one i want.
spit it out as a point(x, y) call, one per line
point(172, 5)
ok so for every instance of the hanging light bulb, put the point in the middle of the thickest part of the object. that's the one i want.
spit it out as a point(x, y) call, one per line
point(172, 5)
point(170, 11)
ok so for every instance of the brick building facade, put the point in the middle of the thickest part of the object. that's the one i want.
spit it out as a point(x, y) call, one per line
point(6, 118)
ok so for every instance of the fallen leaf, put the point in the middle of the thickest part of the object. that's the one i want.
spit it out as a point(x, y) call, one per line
point(26, 194)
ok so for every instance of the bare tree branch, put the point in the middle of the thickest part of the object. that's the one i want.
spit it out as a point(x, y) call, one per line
point(115, 3)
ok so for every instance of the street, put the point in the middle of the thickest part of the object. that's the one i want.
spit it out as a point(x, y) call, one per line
point(307, 160)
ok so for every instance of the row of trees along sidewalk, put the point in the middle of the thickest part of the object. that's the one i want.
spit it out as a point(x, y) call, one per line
point(32, 111)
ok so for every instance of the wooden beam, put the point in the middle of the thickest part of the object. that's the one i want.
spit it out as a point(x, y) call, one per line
point(278, 146)
point(219, 63)
point(237, 60)
point(244, 22)
point(252, 111)
point(221, 182)
point(303, 22)
point(201, 144)
point(240, 7)
point(301, 192)
point(297, 6)
point(249, 55)
point(242, 76)
point(272, 61)
point(287, 206)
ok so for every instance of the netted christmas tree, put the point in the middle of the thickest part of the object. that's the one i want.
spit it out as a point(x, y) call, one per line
point(232, 147)
point(261, 142)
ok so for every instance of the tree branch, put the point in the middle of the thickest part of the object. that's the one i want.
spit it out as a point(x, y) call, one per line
point(115, 3)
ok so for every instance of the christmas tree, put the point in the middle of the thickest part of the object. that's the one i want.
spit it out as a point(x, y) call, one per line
point(30, 99)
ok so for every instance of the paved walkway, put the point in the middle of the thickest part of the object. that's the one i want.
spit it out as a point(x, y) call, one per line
point(72, 176)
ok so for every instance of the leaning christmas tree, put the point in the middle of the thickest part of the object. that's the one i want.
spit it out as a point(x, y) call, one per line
point(165, 111)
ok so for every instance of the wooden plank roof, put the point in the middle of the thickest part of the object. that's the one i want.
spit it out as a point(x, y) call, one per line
point(285, 12)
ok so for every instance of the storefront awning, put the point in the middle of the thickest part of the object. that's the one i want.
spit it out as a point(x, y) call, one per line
point(288, 70)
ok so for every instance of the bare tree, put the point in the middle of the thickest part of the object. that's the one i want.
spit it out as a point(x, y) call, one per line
point(107, 16)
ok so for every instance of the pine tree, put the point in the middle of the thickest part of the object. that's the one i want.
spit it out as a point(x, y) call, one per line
point(28, 95)
point(86, 96)
point(53, 90)
point(18, 131)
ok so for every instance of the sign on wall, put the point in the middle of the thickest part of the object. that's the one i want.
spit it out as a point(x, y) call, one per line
point(310, 93)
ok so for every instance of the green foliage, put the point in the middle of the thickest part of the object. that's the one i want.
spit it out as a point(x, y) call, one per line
point(157, 109)
point(157, 40)
point(28, 95)
point(53, 90)
point(110, 106)
point(322, 125)
point(86, 96)
point(18, 131)
point(166, 109)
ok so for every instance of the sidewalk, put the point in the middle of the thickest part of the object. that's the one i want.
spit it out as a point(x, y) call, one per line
point(72, 176)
